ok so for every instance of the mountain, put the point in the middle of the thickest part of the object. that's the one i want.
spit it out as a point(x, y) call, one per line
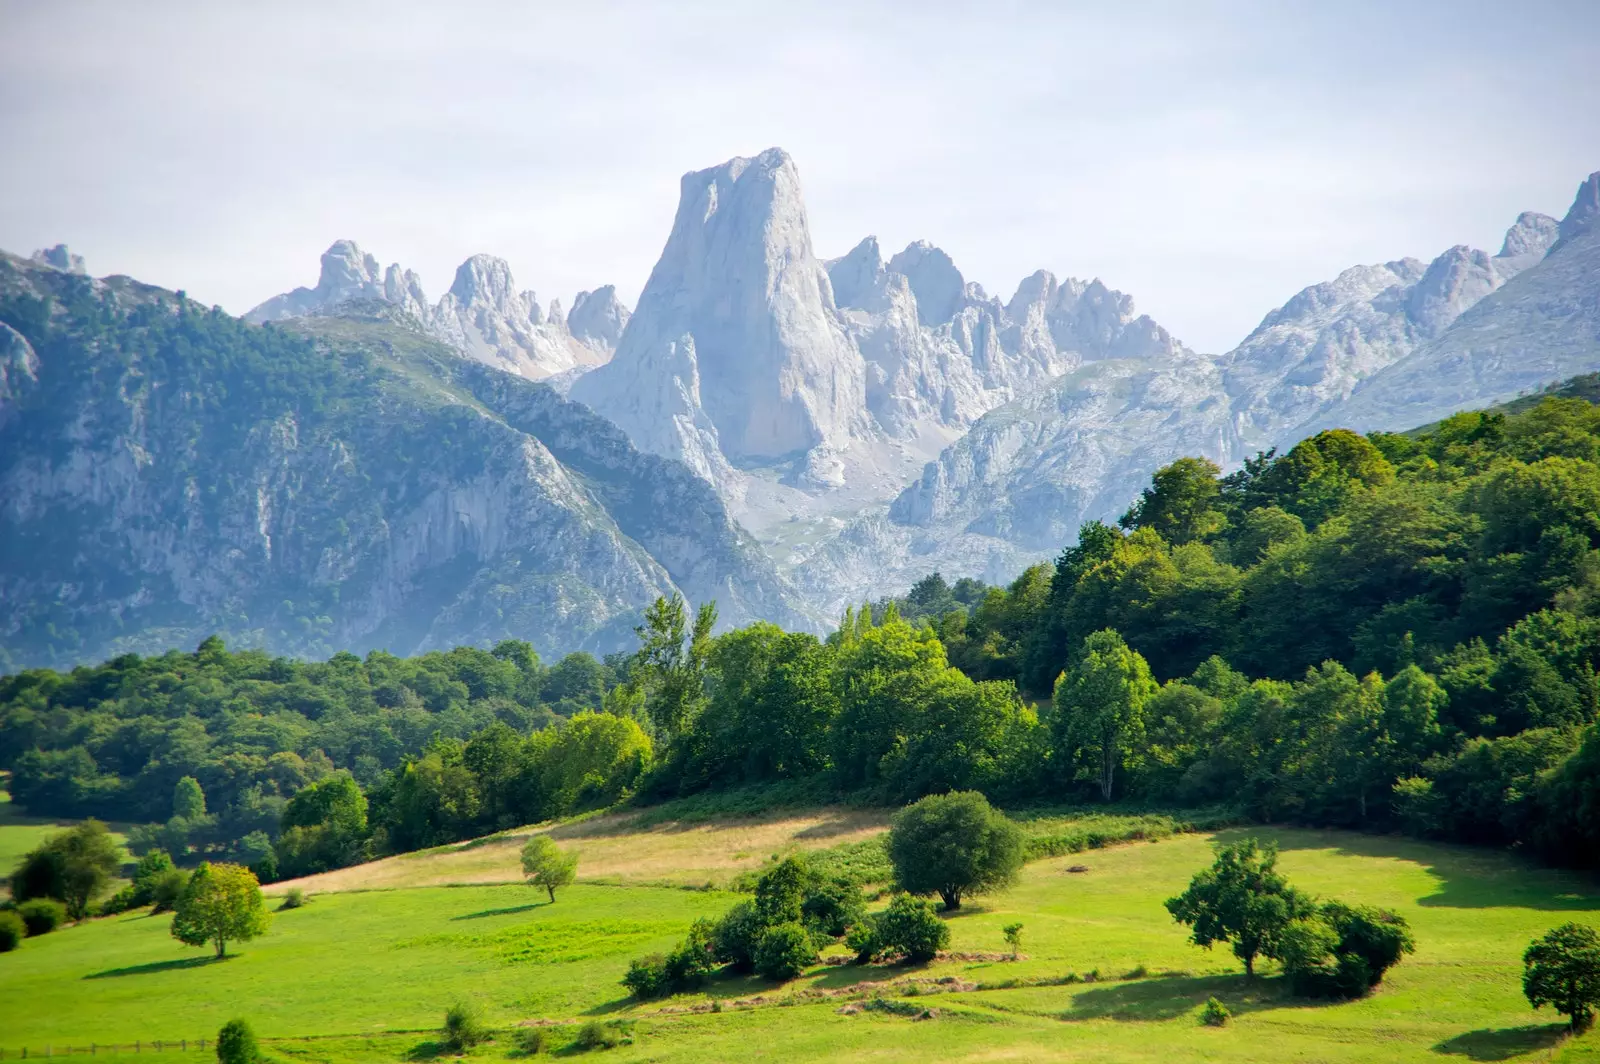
point(483, 316)
point(1542, 325)
point(327, 483)
point(807, 390)
point(1385, 346)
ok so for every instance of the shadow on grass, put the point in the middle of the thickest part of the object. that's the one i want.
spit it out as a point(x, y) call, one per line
point(1472, 877)
point(156, 966)
point(606, 1008)
point(1503, 1044)
point(1165, 998)
point(428, 1051)
point(832, 828)
point(509, 911)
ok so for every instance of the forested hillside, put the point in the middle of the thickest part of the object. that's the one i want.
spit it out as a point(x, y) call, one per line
point(1385, 632)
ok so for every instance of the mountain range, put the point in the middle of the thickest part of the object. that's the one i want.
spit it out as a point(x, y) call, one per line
point(783, 432)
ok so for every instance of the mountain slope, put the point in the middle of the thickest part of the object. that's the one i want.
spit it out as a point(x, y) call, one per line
point(335, 483)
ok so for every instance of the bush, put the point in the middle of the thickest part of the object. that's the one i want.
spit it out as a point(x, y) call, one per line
point(463, 1027)
point(530, 1041)
point(1342, 951)
point(689, 965)
point(1215, 1014)
point(784, 951)
point(734, 939)
point(646, 977)
point(863, 941)
point(42, 915)
point(293, 898)
point(953, 845)
point(12, 931)
point(236, 1044)
point(166, 888)
point(831, 906)
point(910, 928)
point(597, 1035)
point(120, 902)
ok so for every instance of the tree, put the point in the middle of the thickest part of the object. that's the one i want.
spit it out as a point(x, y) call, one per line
point(1562, 970)
point(1343, 951)
point(672, 661)
point(188, 800)
point(324, 827)
point(1240, 899)
point(784, 951)
point(71, 867)
point(220, 904)
point(954, 845)
point(236, 1044)
point(1180, 503)
point(1013, 933)
point(909, 929)
point(547, 865)
point(1099, 708)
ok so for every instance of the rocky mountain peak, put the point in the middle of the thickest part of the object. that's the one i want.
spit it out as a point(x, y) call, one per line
point(1453, 282)
point(598, 317)
point(935, 281)
point(1531, 234)
point(1585, 208)
point(486, 281)
point(60, 258)
point(856, 275)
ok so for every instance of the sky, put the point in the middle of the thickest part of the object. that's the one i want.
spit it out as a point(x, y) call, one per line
point(1210, 159)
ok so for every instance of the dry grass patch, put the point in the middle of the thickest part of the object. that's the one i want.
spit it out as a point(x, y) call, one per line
point(614, 849)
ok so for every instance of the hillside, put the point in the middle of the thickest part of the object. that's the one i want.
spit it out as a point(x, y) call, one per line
point(169, 472)
point(1105, 974)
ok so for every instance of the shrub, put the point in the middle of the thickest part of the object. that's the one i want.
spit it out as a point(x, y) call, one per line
point(1342, 951)
point(1562, 969)
point(166, 888)
point(597, 1035)
point(646, 977)
point(954, 845)
point(42, 915)
point(12, 931)
point(784, 951)
point(1013, 933)
point(236, 1044)
point(530, 1041)
point(293, 898)
point(863, 941)
point(1215, 1014)
point(120, 902)
point(463, 1027)
point(831, 906)
point(910, 928)
point(734, 939)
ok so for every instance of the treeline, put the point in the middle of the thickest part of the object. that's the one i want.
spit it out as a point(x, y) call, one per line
point(1394, 631)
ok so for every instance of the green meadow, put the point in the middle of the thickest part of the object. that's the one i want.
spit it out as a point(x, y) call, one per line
point(1105, 975)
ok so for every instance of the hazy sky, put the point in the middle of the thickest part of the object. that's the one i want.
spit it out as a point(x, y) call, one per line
point(1209, 159)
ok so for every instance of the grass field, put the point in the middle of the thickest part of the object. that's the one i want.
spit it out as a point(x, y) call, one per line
point(365, 975)
point(20, 833)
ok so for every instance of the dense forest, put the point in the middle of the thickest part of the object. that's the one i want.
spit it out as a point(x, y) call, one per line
point(1384, 632)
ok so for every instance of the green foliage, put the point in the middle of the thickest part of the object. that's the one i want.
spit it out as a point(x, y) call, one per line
point(293, 898)
point(71, 867)
point(1243, 900)
point(1215, 1013)
point(1013, 933)
point(188, 800)
point(1181, 503)
point(236, 1044)
point(530, 1041)
point(12, 930)
point(686, 968)
point(908, 928)
point(221, 903)
point(42, 915)
point(783, 951)
point(603, 1035)
point(546, 865)
point(1562, 970)
point(954, 845)
point(1099, 710)
point(734, 940)
point(464, 1027)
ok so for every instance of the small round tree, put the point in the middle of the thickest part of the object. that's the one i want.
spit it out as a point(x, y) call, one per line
point(221, 903)
point(547, 865)
point(909, 929)
point(954, 845)
point(236, 1044)
point(1562, 970)
point(1240, 899)
point(784, 951)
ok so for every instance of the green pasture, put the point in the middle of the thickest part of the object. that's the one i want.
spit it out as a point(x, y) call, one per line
point(366, 976)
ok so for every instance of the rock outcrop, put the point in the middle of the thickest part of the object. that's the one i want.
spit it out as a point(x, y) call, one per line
point(482, 316)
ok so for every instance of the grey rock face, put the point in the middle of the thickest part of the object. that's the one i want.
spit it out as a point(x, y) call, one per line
point(60, 258)
point(482, 316)
point(1542, 325)
point(778, 376)
point(424, 501)
point(598, 318)
point(934, 280)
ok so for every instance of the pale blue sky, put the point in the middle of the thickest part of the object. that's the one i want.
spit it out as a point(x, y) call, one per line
point(1210, 159)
